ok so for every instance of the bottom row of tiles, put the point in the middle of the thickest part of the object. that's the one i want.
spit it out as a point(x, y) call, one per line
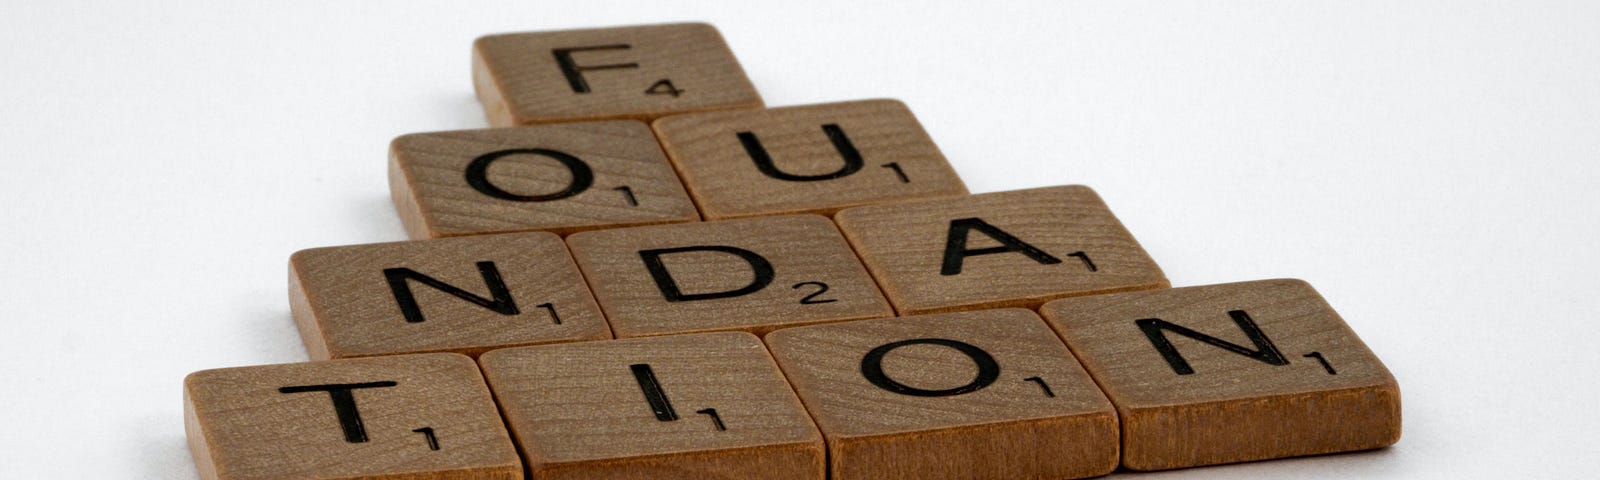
point(1167, 379)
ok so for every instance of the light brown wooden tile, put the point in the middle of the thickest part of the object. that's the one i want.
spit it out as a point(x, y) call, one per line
point(1006, 249)
point(1230, 373)
point(559, 178)
point(708, 405)
point(751, 275)
point(465, 295)
point(989, 394)
point(806, 159)
point(639, 72)
point(399, 417)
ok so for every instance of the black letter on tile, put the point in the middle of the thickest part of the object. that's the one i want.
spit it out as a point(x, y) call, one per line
point(478, 175)
point(502, 302)
point(852, 158)
point(956, 251)
point(653, 393)
point(1265, 351)
point(344, 405)
point(669, 287)
point(988, 370)
point(574, 72)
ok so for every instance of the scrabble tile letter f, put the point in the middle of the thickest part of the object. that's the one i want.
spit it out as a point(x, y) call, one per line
point(637, 72)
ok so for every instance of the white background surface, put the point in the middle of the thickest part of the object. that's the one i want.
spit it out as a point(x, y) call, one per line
point(1429, 166)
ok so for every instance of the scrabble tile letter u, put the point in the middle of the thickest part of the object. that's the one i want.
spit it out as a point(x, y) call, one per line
point(805, 159)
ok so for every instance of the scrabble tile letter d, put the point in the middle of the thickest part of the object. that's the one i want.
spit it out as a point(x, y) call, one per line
point(638, 72)
point(753, 275)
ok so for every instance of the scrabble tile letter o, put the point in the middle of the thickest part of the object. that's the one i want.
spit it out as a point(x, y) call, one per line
point(989, 394)
point(557, 178)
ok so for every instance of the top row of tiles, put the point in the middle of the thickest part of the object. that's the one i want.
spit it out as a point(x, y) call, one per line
point(638, 72)
point(603, 168)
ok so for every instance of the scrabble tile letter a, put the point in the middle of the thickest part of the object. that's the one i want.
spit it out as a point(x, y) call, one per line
point(1004, 249)
point(637, 72)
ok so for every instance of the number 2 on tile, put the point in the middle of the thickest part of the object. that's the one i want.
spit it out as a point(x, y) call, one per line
point(812, 298)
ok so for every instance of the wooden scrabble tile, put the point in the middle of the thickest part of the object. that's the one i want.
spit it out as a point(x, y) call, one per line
point(708, 405)
point(753, 275)
point(418, 417)
point(1230, 373)
point(989, 394)
point(560, 178)
point(807, 159)
point(465, 295)
point(639, 72)
point(1007, 249)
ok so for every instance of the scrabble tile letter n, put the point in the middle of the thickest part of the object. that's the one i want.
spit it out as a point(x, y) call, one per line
point(989, 394)
point(418, 417)
point(557, 178)
point(638, 72)
point(806, 159)
point(1230, 373)
point(1006, 249)
point(697, 406)
point(466, 295)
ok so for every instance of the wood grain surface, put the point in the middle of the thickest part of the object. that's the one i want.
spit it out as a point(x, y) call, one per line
point(802, 167)
point(813, 276)
point(721, 409)
point(610, 73)
point(1037, 414)
point(1251, 401)
point(1081, 249)
point(472, 182)
point(415, 417)
point(345, 302)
